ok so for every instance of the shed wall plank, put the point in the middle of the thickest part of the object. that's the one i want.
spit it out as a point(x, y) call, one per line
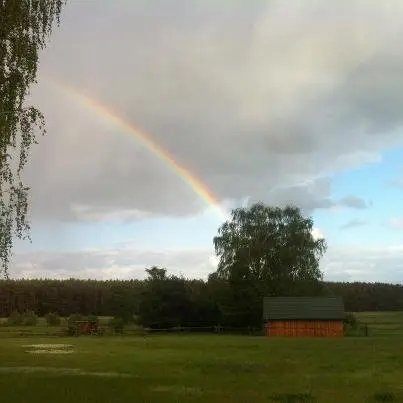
point(297, 328)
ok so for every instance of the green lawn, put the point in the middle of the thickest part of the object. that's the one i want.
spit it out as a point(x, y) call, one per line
point(204, 368)
point(383, 324)
point(207, 368)
point(44, 330)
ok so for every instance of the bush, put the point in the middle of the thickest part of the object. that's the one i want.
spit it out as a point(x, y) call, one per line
point(52, 319)
point(71, 325)
point(353, 327)
point(76, 317)
point(351, 320)
point(29, 318)
point(384, 397)
point(15, 319)
point(93, 319)
point(117, 325)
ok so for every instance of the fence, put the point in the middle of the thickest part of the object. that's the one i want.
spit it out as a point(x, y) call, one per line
point(19, 331)
point(218, 329)
point(361, 330)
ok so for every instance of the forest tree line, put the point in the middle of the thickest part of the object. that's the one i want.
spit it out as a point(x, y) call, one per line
point(262, 251)
point(192, 302)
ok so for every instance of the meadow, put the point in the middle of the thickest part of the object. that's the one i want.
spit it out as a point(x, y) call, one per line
point(383, 324)
point(204, 368)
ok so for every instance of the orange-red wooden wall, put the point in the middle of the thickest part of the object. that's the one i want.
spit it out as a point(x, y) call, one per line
point(310, 328)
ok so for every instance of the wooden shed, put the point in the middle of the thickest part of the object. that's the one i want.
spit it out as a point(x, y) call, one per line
point(303, 316)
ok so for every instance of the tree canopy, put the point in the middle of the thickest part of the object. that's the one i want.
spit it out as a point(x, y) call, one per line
point(264, 251)
point(165, 301)
point(124, 297)
point(269, 244)
point(156, 273)
point(25, 25)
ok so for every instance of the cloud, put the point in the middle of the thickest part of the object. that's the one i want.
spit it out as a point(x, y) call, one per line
point(311, 195)
point(397, 183)
point(369, 263)
point(317, 233)
point(121, 263)
point(250, 98)
point(357, 222)
point(383, 263)
point(353, 202)
point(357, 159)
point(396, 222)
point(105, 214)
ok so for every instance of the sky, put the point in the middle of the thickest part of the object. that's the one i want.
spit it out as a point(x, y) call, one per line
point(281, 102)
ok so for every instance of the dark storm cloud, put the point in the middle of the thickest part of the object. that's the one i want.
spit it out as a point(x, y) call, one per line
point(249, 97)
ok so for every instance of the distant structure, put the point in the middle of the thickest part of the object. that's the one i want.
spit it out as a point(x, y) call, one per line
point(303, 316)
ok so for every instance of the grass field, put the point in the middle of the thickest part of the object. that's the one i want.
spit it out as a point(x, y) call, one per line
point(388, 324)
point(206, 368)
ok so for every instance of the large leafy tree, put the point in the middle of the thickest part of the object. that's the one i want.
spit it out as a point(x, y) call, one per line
point(165, 301)
point(156, 273)
point(266, 250)
point(25, 26)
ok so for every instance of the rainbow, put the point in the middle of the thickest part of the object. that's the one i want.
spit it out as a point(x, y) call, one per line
point(197, 186)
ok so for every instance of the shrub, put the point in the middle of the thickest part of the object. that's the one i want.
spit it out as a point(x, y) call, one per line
point(384, 397)
point(116, 324)
point(93, 319)
point(52, 319)
point(351, 320)
point(353, 327)
point(71, 325)
point(15, 319)
point(29, 318)
point(76, 317)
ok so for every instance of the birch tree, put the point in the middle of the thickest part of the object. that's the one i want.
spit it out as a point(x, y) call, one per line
point(25, 26)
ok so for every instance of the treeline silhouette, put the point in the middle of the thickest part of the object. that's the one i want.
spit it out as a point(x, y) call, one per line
point(262, 251)
point(170, 301)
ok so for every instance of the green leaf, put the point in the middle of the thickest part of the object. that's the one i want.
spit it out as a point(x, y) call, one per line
point(25, 25)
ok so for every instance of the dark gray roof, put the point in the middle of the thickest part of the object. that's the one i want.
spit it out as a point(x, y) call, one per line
point(303, 308)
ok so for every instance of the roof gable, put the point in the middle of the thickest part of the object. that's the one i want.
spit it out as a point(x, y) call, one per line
point(303, 308)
